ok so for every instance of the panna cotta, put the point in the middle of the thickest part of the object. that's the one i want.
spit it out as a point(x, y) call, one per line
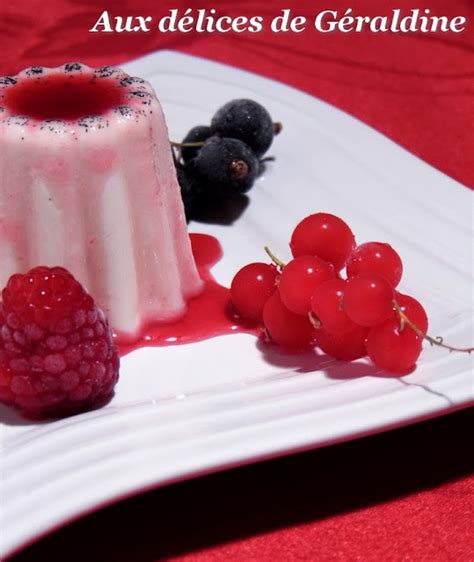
point(87, 182)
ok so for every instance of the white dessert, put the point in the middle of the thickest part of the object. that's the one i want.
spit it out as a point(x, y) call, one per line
point(94, 193)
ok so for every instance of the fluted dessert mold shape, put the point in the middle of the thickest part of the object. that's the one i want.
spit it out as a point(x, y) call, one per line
point(87, 182)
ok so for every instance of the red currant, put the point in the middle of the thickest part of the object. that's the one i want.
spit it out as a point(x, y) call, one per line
point(286, 328)
point(376, 258)
point(347, 346)
point(368, 300)
point(325, 236)
point(251, 287)
point(413, 311)
point(299, 279)
point(393, 349)
point(326, 304)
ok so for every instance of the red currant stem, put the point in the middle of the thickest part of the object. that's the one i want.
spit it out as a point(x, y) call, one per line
point(266, 334)
point(433, 341)
point(315, 322)
point(274, 259)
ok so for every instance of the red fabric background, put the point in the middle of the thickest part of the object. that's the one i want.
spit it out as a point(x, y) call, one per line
point(405, 495)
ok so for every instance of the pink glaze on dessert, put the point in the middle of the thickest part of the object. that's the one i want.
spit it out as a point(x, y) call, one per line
point(87, 182)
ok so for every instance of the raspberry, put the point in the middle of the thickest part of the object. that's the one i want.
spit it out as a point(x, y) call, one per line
point(57, 354)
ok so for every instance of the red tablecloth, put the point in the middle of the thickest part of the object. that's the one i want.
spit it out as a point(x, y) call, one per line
point(405, 495)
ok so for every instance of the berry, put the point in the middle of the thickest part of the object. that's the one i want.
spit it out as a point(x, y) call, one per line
point(413, 311)
point(224, 167)
point(368, 300)
point(247, 121)
point(57, 354)
point(346, 347)
point(325, 236)
point(188, 190)
point(251, 287)
point(287, 329)
point(200, 133)
point(299, 279)
point(393, 349)
point(376, 258)
point(326, 303)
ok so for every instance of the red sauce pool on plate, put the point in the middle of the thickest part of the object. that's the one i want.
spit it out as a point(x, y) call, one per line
point(209, 314)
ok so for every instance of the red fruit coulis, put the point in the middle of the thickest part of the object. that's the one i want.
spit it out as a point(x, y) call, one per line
point(64, 96)
point(209, 314)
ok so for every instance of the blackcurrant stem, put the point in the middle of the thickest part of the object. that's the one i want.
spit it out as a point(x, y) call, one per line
point(277, 127)
point(267, 159)
point(186, 144)
point(274, 259)
point(433, 341)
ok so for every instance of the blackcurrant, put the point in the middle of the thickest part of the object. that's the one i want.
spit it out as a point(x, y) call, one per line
point(223, 167)
point(247, 121)
point(188, 192)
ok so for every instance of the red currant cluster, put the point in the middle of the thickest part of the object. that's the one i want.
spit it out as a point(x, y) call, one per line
point(309, 302)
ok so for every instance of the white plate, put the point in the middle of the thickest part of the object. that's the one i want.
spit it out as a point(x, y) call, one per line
point(187, 410)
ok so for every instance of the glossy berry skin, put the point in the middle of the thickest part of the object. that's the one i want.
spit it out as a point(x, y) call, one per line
point(368, 300)
point(287, 329)
point(251, 287)
point(223, 167)
point(323, 235)
point(413, 310)
point(247, 121)
point(200, 133)
point(346, 347)
point(299, 279)
point(392, 349)
point(57, 354)
point(376, 258)
point(326, 304)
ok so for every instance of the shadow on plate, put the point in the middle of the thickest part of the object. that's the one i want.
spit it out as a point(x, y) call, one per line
point(311, 361)
point(215, 211)
point(11, 416)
